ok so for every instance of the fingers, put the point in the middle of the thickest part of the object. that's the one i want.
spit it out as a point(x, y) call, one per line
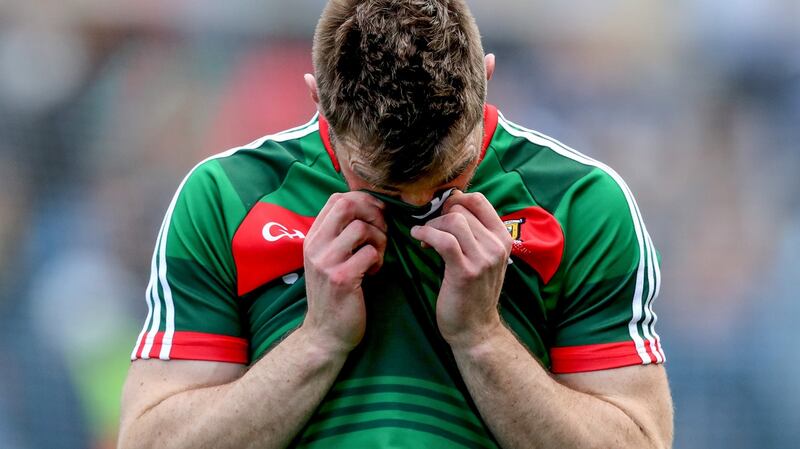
point(443, 242)
point(348, 223)
point(478, 229)
point(366, 260)
point(479, 206)
point(358, 234)
point(343, 208)
point(474, 226)
point(458, 225)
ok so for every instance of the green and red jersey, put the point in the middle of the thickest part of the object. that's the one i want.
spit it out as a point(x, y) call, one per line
point(227, 280)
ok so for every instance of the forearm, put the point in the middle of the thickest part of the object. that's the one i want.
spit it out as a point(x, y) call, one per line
point(526, 408)
point(265, 408)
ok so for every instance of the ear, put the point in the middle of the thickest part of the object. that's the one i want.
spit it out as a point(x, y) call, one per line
point(489, 62)
point(311, 83)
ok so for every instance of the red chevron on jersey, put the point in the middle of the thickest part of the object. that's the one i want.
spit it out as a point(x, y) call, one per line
point(268, 244)
point(538, 240)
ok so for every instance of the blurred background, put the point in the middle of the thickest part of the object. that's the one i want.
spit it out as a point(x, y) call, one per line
point(106, 104)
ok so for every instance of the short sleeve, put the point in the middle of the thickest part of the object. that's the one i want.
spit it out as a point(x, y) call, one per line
point(609, 278)
point(193, 311)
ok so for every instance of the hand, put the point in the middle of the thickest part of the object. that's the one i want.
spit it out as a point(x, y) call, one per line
point(475, 246)
point(346, 241)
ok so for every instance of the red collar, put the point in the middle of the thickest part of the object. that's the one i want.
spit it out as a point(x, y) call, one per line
point(489, 126)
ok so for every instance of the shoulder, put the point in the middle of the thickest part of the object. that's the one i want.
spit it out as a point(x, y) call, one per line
point(248, 172)
point(218, 193)
point(555, 173)
point(592, 204)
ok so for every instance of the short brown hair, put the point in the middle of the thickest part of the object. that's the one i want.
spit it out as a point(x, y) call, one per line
point(403, 78)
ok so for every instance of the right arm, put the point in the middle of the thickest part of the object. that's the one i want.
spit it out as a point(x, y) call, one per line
point(194, 404)
point(198, 404)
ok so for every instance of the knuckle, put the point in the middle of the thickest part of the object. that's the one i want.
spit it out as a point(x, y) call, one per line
point(345, 204)
point(499, 259)
point(506, 242)
point(371, 252)
point(435, 223)
point(447, 220)
point(338, 278)
point(485, 263)
point(480, 265)
point(499, 251)
point(452, 220)
point(472, 198)
point(358, 227)
point(450, 243)
point(478, 196)
point(473, 273)
point(459, 208)
point(381, 238)
point(313, 262)
point(508, 246)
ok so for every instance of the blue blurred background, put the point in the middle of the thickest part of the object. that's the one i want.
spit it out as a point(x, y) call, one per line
point(106, 104)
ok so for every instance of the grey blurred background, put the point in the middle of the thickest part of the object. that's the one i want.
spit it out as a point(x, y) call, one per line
point(106, 104)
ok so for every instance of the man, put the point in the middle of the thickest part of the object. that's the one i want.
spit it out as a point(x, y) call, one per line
point(409, 269)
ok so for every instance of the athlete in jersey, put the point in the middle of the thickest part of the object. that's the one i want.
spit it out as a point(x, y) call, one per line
point(228, 283)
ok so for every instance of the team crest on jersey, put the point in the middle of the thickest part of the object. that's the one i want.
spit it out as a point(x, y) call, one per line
point(538, 239)
point(513, 227)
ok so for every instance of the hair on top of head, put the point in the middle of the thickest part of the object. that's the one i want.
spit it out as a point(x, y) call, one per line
point(403, 78)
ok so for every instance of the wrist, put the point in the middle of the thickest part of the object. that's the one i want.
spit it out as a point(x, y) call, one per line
point(478, 340)
point(321, 345)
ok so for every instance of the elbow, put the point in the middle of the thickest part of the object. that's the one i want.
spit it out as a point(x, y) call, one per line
point(654, 441)
point(636, 437)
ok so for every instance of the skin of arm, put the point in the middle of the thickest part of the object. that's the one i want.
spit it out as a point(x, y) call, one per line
point(198, 404)
point(524, 406)
point(183, 404)
point(527, 408)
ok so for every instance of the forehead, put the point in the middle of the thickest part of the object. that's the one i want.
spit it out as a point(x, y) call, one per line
point(353, 155)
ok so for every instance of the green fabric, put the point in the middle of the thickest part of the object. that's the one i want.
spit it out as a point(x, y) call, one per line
point(401, 387)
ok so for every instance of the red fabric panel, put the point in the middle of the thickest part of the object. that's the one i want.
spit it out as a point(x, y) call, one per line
point(540, 243)
point(577, 359)
point(200, 346)
point(268, 244)
point(325, 134)
point(650, 349)
point(490, 118)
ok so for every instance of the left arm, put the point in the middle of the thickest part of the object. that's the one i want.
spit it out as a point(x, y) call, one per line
point(522, 404)
point(525, 407)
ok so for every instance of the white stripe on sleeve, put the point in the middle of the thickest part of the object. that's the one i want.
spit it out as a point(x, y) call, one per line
point(169, 331)
point(638, 300)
